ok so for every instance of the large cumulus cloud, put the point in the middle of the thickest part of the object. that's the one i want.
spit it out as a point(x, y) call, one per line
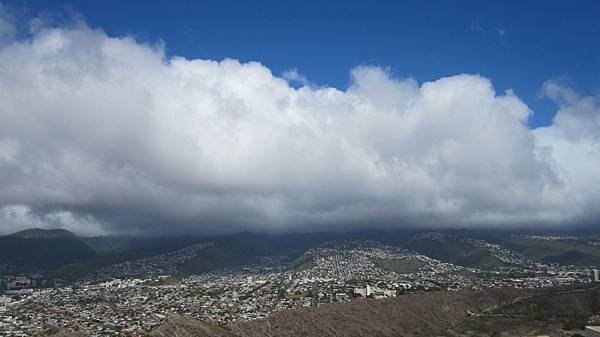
point(573, 145)
point(105, 134)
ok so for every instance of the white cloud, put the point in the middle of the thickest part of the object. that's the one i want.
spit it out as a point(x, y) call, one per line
point(573, 142)
point(17, 217)
point(113, 132)
point(293, 76)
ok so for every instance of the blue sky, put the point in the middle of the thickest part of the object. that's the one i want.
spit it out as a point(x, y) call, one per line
point(517, 44)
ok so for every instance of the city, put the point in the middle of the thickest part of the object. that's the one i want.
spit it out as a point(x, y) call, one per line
point(340, 168)
point(333, 272)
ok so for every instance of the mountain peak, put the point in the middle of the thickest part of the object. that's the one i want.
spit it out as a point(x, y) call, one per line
point(39, 233)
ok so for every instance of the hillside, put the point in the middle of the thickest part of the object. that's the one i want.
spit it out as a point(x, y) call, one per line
point(482, 313)
point(243, 248)
point(39, 233)
point(51, 331)
point(457, 247)
point(552, 312)
point(492, 312)
point(110, 244)
point(424, 314)
point(180, 326)
point(136, 249)
point(45, 250)
point(71, 257)
point(562, 251)
point(452, 249)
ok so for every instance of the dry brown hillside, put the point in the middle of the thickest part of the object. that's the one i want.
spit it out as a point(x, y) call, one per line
point(56, 332)
point(426, 314)
point(554, 311)
point(179, 326)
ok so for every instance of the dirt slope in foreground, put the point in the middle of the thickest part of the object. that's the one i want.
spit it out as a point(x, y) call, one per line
point(424, 314)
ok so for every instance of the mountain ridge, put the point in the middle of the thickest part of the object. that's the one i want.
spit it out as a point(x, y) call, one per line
point(43, 249)
point(41, 233)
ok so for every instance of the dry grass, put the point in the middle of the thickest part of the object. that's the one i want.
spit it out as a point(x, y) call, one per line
point(428, 314)
point(182, 326)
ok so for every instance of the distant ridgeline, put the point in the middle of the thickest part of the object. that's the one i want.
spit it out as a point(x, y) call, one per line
point(40, 249)
point(62, 254)
point(59, 253)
